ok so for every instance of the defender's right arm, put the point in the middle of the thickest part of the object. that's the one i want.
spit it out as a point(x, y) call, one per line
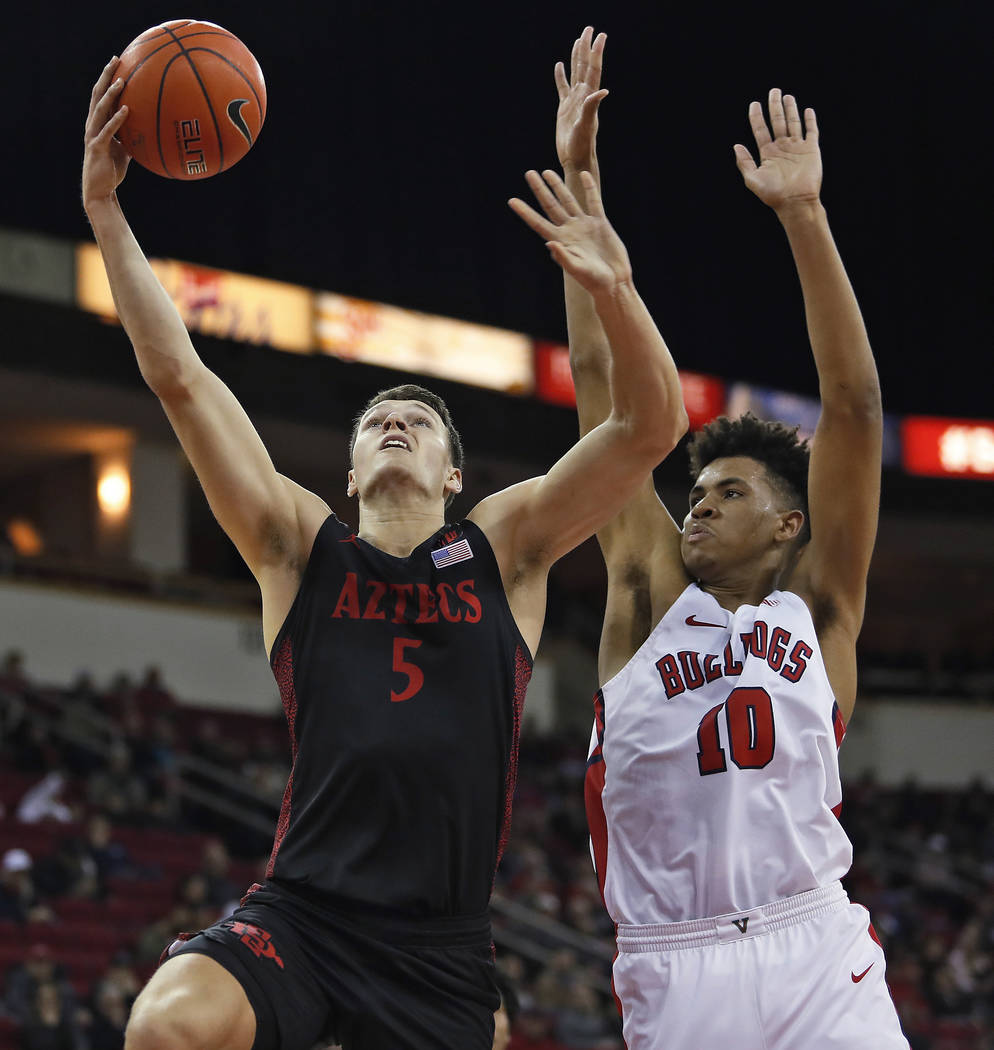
point(641, 545)
point(267, 517)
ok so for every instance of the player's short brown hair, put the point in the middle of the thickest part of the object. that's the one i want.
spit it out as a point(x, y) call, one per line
point(413, 392)
point(784, 456)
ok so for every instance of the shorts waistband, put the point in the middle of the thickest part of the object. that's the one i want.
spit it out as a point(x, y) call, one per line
point(734, 926)
point(429, 931)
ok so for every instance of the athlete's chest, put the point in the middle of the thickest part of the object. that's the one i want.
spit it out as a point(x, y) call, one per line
point(444, 582)
point(714, 688)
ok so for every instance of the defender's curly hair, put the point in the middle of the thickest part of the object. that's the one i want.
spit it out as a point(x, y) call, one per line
point(413, 392)
point(776, 446)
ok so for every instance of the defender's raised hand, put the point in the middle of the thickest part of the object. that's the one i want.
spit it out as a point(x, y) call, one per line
point(579, 99)
point(582, 242)
point(789, 170)
point(105, 160)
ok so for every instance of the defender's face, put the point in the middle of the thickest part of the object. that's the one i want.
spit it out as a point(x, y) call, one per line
point(402, 443)
point(734, 517)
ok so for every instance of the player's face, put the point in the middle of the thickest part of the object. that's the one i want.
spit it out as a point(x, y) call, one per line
point(736, 518)
point(402, 445)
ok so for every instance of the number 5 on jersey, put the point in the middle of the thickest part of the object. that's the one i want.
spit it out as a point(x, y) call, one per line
point(415, 676)
point(749, 727)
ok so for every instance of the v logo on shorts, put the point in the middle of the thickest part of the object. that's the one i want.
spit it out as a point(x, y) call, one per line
point(742, 924)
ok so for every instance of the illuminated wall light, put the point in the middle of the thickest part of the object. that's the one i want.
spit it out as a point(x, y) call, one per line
point(25, 537)
point(114, 491)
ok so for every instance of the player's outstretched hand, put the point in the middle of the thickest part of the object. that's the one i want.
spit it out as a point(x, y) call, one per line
point(105, 160)
point(582, 242)
point(789, 170)
point(579, 99)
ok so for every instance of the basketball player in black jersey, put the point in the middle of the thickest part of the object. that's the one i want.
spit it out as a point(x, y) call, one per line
point(402, 652)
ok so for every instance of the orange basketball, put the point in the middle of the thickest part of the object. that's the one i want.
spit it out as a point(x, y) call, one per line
point(196, 99)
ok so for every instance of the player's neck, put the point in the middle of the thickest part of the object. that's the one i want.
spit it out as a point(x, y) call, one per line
point(398, 529)
point(743, 585)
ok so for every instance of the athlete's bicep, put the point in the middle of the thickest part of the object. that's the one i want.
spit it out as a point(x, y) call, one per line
point(843, 503)
point(582, 492)
point(257, 507)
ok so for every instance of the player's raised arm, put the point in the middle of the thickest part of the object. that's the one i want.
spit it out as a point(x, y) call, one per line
point(844, 476)
point(580, 96)
point(260, 510)
point(549, 516)
point(641, 543)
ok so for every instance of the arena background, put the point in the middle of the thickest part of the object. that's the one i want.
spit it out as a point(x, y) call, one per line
point(395, 134)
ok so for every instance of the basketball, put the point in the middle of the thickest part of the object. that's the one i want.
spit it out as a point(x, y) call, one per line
point(196, 99)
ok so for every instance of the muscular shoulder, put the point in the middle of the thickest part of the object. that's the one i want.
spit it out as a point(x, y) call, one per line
point(498, 517)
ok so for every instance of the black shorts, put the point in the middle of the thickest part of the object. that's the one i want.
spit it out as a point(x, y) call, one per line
point(316, 974)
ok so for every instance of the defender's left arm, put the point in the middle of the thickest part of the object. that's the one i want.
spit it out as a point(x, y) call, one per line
point(844, 474)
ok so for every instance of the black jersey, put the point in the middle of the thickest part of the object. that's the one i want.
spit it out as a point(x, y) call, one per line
point(403, 681)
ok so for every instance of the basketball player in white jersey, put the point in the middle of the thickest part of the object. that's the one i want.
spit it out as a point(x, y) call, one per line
point(728, 670)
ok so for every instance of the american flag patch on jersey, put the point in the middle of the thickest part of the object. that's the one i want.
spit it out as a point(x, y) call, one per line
point(452, 553)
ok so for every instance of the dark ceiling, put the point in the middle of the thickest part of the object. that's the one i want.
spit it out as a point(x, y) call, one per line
point(397, 131)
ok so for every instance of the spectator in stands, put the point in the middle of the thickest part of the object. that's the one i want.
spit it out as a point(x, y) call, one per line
point(109, 1010)
point(191, 912)
point(70, 871)
point(121, 692)
point(118, 789)
point(158, 935)
point(534, 1031)
point(112, 858)
point(581, 1023)
point(84, 693)
point(19, 899)
point(161, 743)
point(82, 864)
point(12, 674)
point(152, 695)
point(215, 863)
point(31, 745)
point(24, 979)
point(110, 1003)
point(267, 765)
point(121, 974)
point(213, 744)
point(49, 1025)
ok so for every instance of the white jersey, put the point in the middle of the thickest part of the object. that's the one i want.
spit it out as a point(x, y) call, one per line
point(713, 778)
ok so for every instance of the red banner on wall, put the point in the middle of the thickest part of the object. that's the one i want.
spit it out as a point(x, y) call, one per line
point(955, 448)
point(703, 395)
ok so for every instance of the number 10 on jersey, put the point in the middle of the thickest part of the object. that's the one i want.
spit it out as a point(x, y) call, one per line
point(749, 729)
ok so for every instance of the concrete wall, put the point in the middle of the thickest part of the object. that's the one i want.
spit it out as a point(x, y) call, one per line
point(208, 657)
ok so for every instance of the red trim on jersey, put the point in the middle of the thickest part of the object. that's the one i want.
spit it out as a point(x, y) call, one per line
point(283, 670)
point(593, 787)
point(839, 725)
point(522, 675)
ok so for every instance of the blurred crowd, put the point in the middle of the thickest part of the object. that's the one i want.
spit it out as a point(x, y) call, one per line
point(88, 772)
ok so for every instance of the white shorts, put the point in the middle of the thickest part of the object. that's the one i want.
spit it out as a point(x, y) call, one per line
point(803, 973)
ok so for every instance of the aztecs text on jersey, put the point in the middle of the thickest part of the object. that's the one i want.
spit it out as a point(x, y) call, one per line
point(403, 681)
point(713, 780)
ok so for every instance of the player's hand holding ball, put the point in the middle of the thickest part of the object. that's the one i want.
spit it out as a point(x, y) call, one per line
point(186, 99)
point(105, 160)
